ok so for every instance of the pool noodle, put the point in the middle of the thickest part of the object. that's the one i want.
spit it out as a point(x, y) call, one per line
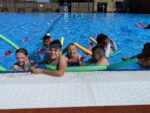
point(83, 49)
point(137, 25)
point(89, 48)
point(62, 41)
point(3, 68)
point(123, 63)
point(9, 42)
point(115, 53)
point(141, 24)
point(93, 40)
point(79, 68)
point(95, 68)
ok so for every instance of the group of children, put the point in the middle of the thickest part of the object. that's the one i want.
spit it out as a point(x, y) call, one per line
point(53, 56)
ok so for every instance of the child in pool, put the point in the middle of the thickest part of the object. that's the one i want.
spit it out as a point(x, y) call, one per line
point(46, 42)
point(144, 57)
point(23, 63)
point(98, 56)
point(73, 58)
point(147, 27)
point(54, 57)
point(107, 43)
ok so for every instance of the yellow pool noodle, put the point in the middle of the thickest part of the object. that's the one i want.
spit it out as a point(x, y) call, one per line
point(93, 40)
point(62, 41)
point(83, 49)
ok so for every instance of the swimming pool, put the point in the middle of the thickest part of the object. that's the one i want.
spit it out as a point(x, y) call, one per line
point(75, 28)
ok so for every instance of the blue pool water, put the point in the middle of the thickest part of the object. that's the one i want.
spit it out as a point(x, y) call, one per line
point(74, 28)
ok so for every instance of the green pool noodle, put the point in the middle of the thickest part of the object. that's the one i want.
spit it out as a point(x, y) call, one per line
point(121, 64)
point(79, 68)
point(115, 53)
point(3, 68)
point(9, 42)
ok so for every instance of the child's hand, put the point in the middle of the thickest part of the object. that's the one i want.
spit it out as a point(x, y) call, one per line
point(37, 70)
point(26, 65)
point(142, 62)
point(125, 58)
point(26, 61)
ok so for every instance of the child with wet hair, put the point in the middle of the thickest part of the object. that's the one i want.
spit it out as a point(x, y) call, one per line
point(107, 43)
point(23, 63)
point(144, 57)
point(46, 42)
point(98, 56)
point(73, 58)
point(54, 57)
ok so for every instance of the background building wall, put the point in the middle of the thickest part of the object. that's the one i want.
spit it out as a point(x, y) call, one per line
point(129, 6)
point(139, 6)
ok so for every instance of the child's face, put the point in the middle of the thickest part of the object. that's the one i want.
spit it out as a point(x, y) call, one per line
point(72, 50)
point(46, 42)
point(54, 53)
point(21, 58)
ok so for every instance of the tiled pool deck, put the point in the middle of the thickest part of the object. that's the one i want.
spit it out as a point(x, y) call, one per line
point(103, 88)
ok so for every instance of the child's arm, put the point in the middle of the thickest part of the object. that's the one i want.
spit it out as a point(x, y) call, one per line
point(103, 61)
point(114, 46)
point(16, 68)
point(80, 60)
point(108, 49)
point(57, 73)
point(135, 56)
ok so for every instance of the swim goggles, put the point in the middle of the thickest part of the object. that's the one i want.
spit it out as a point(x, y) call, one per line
point(54, 46)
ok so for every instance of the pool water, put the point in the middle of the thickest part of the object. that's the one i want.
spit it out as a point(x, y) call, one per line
point(74, 28)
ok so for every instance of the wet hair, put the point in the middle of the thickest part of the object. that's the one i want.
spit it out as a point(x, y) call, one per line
point(101, 38)
point(146, 47)
point(22, 50)
point(100, 50)
point(46, 37)
point(71, 44)
point(56, 43)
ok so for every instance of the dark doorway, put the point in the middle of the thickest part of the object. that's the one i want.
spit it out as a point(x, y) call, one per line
point(65, 5)
point(120, 7)
point(102, 7)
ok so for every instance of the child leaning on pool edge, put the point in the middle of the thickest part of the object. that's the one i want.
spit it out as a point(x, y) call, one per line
point(23, 63)
point(54, 57)
point(73, 58)
point(144, 57)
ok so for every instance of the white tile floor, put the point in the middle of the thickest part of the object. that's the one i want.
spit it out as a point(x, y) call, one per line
point(101, 88)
